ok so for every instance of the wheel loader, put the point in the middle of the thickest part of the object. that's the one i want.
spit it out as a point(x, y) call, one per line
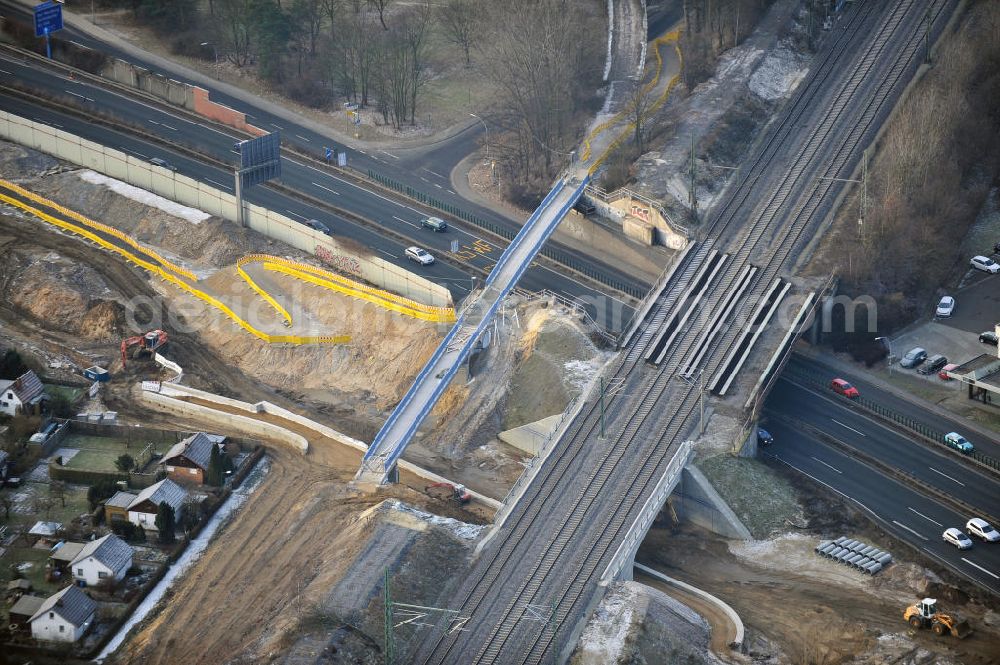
point(925, 614)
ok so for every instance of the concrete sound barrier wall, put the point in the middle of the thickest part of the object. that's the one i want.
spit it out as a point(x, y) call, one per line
point(182, 189)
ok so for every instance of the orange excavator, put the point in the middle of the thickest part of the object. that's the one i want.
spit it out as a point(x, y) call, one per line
point(449, 491)
point(146, 344)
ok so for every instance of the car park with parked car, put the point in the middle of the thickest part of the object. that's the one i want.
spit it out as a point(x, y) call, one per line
point(989, 337)
point(943, 374)
point(985, 264)
point(913, 357)
point(933, 364)
point(945, 307)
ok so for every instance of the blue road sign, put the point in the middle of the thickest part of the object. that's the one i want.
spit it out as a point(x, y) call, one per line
point(329, 154)
point(48, 18)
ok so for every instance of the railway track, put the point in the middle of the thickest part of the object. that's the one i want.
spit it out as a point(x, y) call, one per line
point(586, 494)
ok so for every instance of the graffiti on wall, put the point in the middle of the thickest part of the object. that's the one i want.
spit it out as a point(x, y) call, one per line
point(340, 262)
point(640, 212)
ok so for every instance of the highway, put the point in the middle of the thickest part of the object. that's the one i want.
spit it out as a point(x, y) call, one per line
point(985, 441)
point(903, 512)
point(425, 170)
point(940, 469)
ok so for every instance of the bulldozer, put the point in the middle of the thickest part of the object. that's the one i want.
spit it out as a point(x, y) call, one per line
point(146, 345)
point(925, 614)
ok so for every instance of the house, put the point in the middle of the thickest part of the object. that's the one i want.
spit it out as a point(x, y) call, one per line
point(187, 461)
point(24, 394)
point(22, 611)
point(142, 511)
point(63, 554)
point(107, 558)
point(116, 508)
point(64, 616)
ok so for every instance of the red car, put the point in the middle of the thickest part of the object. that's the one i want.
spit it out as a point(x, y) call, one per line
point(842, 387)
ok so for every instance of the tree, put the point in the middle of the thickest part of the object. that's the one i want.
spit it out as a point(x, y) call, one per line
point(458, 21)
point(60, 405)
point(272, 30)
point(234, 26)
point(101, 490)
point(380, 6)
point(11, 365)
point(213, 474)
point(638, 107)
point(165, 523)
point(189, 518)
point(169, 16)
point(57, 490)
point(125, 462)
point(130, 532)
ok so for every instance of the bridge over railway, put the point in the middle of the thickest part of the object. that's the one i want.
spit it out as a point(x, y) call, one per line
point(572, 523)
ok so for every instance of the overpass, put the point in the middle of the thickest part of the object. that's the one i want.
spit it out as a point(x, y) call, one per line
point(379, 463)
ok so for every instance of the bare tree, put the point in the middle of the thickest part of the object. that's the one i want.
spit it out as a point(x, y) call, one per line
point(380, 6)
point(234, 25)
point(415, 29)
point(638, 108)
point(458, 21)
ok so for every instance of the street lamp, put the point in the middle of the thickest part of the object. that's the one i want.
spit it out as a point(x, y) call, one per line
point(487, 134)
point(888, 345)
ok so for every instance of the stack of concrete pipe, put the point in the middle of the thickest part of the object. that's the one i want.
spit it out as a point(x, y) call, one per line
point(861, 556)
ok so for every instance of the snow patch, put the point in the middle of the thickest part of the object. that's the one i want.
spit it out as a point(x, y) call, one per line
point(462, 530)
point(778, 75)
point(192, 215)
point(603, 640)
point(579, 373)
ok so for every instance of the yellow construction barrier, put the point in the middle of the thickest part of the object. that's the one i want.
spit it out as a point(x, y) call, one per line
point(104, 228)
point(173, 279)
point(340, 284)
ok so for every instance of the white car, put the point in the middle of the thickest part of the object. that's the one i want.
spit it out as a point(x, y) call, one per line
point(945, 307)
point(421, 256)
point(985, 264)
point(982, 529)
point(957, 538)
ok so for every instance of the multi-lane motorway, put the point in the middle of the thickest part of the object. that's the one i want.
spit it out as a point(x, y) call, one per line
point(913, 489)
point(424, 170)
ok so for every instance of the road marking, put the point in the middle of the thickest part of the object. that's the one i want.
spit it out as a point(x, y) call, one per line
point(387, 253)
point(76, 94)
point(438, 186)
point(976, 565)
point(901, 525)
point(294, 214)
point(425, 180)
point(332, 191)
point(4, 71)
point(827, 465)
point(303, 138)
point(80, 45)
point(946, 476)
point(452, 193)
point(389, 153)
point(278, 126)
point(406, 222)
point(362, 151)
point(924, 516)
point(848, 427)
point(139, 154)
point(219, 184)
point(434, 173)
point(163, 124)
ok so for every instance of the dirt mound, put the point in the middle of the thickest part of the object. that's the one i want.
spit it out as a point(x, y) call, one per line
point(60, 293)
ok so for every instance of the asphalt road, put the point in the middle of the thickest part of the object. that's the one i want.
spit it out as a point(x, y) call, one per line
point(902, 511)
point(940, 469)
point(986, 444)
point(425, 169)
point(319, 183)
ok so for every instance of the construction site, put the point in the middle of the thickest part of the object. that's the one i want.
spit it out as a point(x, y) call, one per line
point(406, 507)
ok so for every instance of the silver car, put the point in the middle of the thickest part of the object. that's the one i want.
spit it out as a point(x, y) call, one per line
point(421, 256)
point(913, 357)
point(955, 537)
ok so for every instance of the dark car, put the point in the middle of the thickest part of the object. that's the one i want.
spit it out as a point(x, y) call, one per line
point(162, 163)
point(933, 364)
point(319, 226)
point(988, 337)
point(585, 207)
point(764, 437)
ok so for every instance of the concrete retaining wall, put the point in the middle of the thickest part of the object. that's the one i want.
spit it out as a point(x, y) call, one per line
point(190, 192)
point(696, 501)
point(228, 422)
point(575, 230)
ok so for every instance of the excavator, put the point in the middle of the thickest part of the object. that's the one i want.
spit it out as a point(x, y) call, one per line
point(449, 491)
point(925, 614)
point(148, 344)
